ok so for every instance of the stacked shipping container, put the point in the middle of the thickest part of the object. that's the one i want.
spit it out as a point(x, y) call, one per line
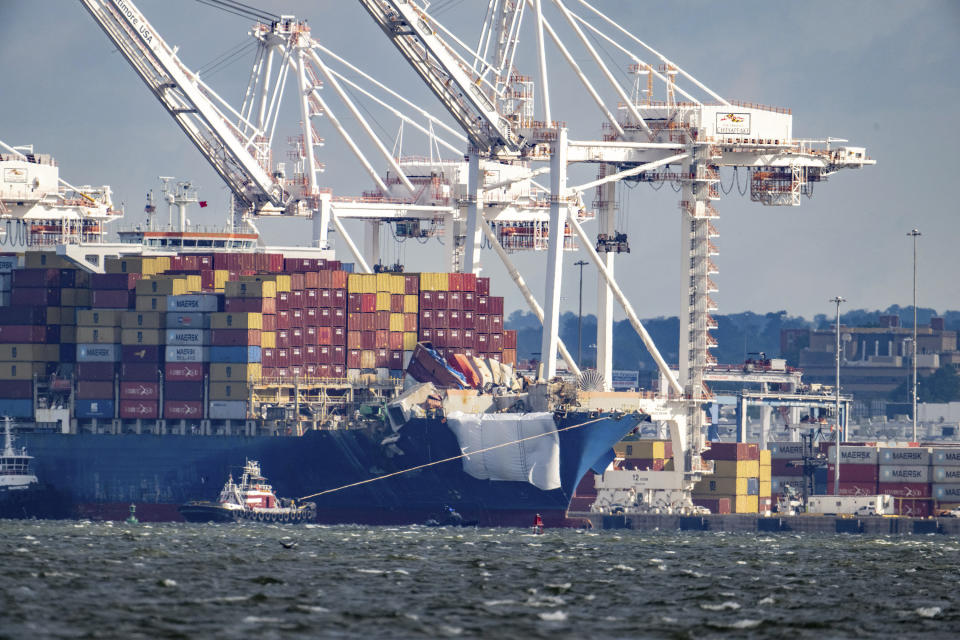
point(741, 477)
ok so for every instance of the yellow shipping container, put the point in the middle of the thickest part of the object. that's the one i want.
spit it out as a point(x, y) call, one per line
point(712, 486)
point(409, 340)
point(220, 277)
point(149, 337)
point(383, 282)
point(411, 303)
point(268, 339)
point(236, 320)
point(745, 504)
point(736, 469)
point(362, 283)
point(765, 473)
point(398, 284)
point(22, 370)
point(68, 334)
point(383, 299)
point(766, 488)
point(282, 280)
point(368, 359)
point(229, 390)
point(150, 303)
point(640, 449)
point(99, 317)
point(162, 286)
point(143, 320)
point(239, 289)
point(396, 322)
point(29, 352)
point(230, 372)
point(765, 459)
point(434, 282)
point(98, 335)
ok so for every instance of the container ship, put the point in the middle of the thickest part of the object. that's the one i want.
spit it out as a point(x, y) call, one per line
point(149, 373)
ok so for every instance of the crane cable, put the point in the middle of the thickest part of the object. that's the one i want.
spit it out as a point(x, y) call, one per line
point(450, 459)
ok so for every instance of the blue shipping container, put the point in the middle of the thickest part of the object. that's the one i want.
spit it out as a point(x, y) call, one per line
point(235, 355)
point(16, 407)
point(94, 408)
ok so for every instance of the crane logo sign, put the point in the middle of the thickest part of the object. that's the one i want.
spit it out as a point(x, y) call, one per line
point(733, 123)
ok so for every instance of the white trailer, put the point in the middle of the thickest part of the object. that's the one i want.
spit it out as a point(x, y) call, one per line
point(878, 505)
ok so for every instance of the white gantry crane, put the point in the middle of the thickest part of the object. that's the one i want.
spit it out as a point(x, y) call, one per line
point(665, 125)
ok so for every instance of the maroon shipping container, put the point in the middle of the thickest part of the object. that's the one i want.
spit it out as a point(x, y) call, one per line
point(396, 360)
point(269, 322)
point(317, 355)
point(283, 338)
point(338, 371)
point(441, 319)
point(468, 301)
point(368, 322)
point(297, 281)
point(283, 301)
point(427, 300)
point(184, 371)
point(440, 337)
point(297, 337)
point(296, 356)
point(324, 335)
point(182, 391)
point(482, 323)
point(483, 304)
point(482, 342)
point(914, 508)
point(95, 371)
point(311, 280)
point(182, 410)
point(510, 340)
point(395, 340)
point(455, 338)
point(411, 284)
point(283, 320)
point(410, 322)
point(455, 300)
point(17, 389)
point(39, 278)
point(786, 467)
point(353, 358)
point(34, 296)
point(368, 340)
point(140, 390)
point(469, 339)
point(140, 371)
point(338, 354)
point(13, 333)
point(382, 320)
point(732, 451)
point(311, 317)
point(141, 353)
point(111, 299)
point(368, 302)
point(905, 489)
point(296, 318)
point(94, 389)
point(268, 358)
point(339, 336)
point(483, 287)
point(455, 319)
point(297, 299)
point(496, 323)
point(440, 299)
point(355, 303)
point(428, 318)
point(382, 358)
point(250, 305)
point(715, 505)
point(426, 335)
point(856, 473)
point(23, 315)
point(234, 337)
point(355, 339)
point(132, 409)
point(115, 281)
point(495, 343)
point(853, 488)
point(495, 305)
point(396, 303)
point(381, 339)
point(310, 337)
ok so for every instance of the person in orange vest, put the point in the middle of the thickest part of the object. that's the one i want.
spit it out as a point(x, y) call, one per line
point(538, 524)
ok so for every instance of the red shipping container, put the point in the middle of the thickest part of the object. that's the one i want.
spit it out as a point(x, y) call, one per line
point(495, 343)
point(781, 467)
point(268, 357)
point(310, 336)
point(184, 371)
point(297, 299)
point(283, 339)
point(310, 370)
point(396, 303)
point(182, 391)
point(35, 297)
point(338, 354)
point(140, 371)
point(141, 353)
point(311, 354)
point(853, 488)
point(411, 284)
point(269, 322)
point(382, 358)
point(339, 336)
point(311, 317)
point(441, 319)
point(111, 299)
point(297, 281)
point(339, 298)
point(382, 320)
point(381, 339)
point(440, 299)
point(95, 389)
point(368, 322)
point(368, 340)
point(283, 320)
point(427, 318)
point(482, 323)
point(355, 302)
point(396, 360)
point(904, 489)
point(395, 341)
point(353, 358)
point(323, 370)
point(496, 323)
point(454, 319)
point(22, 389)
point(296, 356)
point(496, 305)
point(426, 300)
point(913, 508)
point(234, 337)
point(339, 318)
point(338, 371)
point(325, 298)
point(469, 339)
point(410, 322)
point(368, 302)
point(715, 505)
point(296, 318)
point(354, 339)
point(455, 300)
point(483, 304)
point(455, 338)
point(324, 355)
point(132, 409)
point(510, 339)
point(325, 317)
point(140, 390)
point(311, 280)
point(732, 451)
point(482, 342)
point(440, 337)
point(483, 287)
point(856, 473)
point(283, 301)
point(297, 337)
point(426, 335)
point(114, 281)
point(469, 301)
point(182, 410)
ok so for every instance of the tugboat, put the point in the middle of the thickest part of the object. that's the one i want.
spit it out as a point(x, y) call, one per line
point(251, 500)
point(15, 474)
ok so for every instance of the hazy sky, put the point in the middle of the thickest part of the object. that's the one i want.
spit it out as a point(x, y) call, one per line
point(882, 74)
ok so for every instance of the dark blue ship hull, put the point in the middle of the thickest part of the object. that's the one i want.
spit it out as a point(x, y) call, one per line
point(101, 475)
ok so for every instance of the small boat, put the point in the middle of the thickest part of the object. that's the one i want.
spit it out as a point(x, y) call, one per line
point(15, 473)
point(251, 500)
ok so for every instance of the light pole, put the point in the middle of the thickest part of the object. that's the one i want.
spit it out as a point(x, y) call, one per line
point(915, 234)
point(836, 463)
point(581, 264)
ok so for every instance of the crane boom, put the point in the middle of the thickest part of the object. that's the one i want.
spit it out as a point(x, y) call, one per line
point(234, 156)
point(456, 85)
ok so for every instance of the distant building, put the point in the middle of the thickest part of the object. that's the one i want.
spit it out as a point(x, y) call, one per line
point(873, 360)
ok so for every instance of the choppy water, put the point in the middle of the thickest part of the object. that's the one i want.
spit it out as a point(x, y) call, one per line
point(82, 579)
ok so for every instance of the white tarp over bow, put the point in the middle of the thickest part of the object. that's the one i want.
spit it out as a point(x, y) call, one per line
point(536, 461)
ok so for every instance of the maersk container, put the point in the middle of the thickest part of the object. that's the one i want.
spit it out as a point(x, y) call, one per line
point(197, 337)
point(193, 303)
point(946, 474)
point(906, 456)
point(98, 352)
point(188, 321)
point(946, 456)
point(227, 410)
point(16, 407)
point(233, 355)
point(898, 473)
point(186, 354)
point(851, 454)
point(947, 492)
point(94, 409)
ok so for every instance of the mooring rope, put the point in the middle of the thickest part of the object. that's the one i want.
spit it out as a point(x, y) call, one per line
point(450, 459)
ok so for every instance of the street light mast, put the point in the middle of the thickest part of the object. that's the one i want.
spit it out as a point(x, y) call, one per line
point(915, 234)
point(836, 463)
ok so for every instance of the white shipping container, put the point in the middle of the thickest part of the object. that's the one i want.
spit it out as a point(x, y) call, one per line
point(193, 303)
point(947, 492)
point(777, 483)
point(898, 473)
point(946, 474)
point(98, 352)
point(227, 410)
point(186, 354)
point(854, 455)
point(8, 263)
point(196, 337)
point(946, 456)
point(880, 505)
point(792, 450)
point(6, 281)
point(188, 321)
point(912, 456)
